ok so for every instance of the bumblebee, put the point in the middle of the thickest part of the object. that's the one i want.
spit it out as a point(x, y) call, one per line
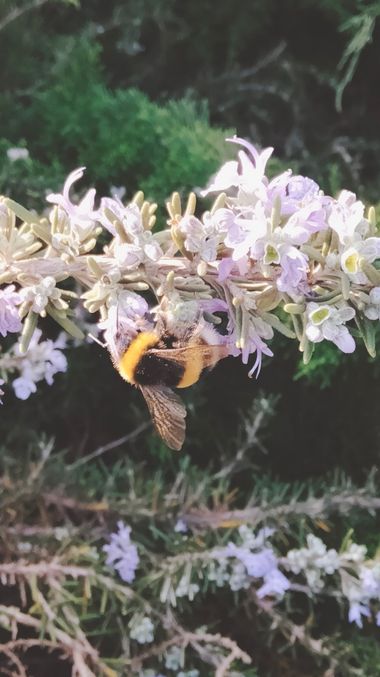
point(158, 362)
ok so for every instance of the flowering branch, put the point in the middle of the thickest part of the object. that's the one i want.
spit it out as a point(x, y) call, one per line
point(270, 256)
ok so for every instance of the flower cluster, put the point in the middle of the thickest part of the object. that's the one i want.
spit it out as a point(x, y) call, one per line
point(252, 561)
point(359, 577)
point(122, 554)
point(42, 361)
point(270, 255)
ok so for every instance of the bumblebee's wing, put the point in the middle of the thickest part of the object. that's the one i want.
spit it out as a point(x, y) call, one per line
point(210, 354)
point(168, 413)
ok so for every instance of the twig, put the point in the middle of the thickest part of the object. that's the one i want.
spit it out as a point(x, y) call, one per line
point(19, 11)
point(5, 649)
point(108, 447)
point(185, 638)
point(313, 507)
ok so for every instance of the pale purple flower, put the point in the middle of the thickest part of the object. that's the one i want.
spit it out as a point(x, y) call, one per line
point(256, 330)
point(83, 214)
point(262, 564)
point(180, 526)
point(122, 554)
point(356, 612)
point(328, 322)
point(1, 391)
point(305, 221)
point(275, 584)
point(294, 266)
point(244, 233)
point(213, 305)
point(23, 387)
point(295, 192)
point(257, 564)
point(370, 580)
point(9, 317)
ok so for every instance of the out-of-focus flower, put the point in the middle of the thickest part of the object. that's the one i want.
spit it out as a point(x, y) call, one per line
point(122, 554)
point(356, 613)
point(9, 317)
point(15, 154)
point(180, 527)
point(372, 310)
point(42, 361)
point(142, 630)
point(327, 322)
point(175, 657)
point(313, 561)
point(250, 565)
point(346, 217)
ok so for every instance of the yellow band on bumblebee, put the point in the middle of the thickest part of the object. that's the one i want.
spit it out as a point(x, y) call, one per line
point(130, 359)
point(193, 369)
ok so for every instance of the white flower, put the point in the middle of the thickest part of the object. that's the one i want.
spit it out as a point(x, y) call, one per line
point(372, 310)
point(247, 174)
point(175, 658)
point(347, 217)
point(313, 561)
point(15, 154)
point(239, 579)
point(139, 244)
point(186, 589)
point(142, 630)
point(355, 553)
point(41, 362)
point(81, 215)
point(328, 322)
point(218, 573)
point(23, 387)
point(204, 237)
point(368, 249)
point(39, 295)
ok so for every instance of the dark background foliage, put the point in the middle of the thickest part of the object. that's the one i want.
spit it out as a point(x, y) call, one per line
point(144, 92)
